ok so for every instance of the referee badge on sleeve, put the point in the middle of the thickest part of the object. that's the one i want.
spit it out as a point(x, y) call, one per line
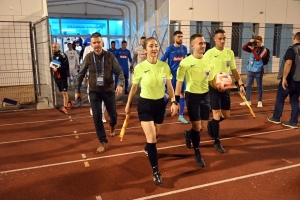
point(227, 63)
point(164, 80)
point(207, 72)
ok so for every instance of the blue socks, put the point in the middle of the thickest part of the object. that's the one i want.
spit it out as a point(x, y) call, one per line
point(181, 103)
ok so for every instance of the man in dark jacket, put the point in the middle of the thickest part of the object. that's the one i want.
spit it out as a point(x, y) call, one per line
point(101, 65)
point(61, 73)
point(289, 85)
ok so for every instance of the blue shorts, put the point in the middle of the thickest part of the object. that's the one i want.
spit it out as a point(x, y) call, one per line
point(174, 84)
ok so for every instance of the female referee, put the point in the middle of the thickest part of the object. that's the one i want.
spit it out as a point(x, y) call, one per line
point(152, 74)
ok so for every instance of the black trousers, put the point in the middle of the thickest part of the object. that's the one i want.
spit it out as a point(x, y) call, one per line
point(109, 99)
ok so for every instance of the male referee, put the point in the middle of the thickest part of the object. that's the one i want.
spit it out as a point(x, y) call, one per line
point(196, 69)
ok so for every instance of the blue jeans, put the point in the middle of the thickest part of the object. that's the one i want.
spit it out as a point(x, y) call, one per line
point(293, 91)
point(250, 79)
point(96, 99)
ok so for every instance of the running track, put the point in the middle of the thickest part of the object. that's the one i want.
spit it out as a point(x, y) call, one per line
point(41, 157)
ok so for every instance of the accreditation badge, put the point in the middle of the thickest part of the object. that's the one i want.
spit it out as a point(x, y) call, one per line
point(227, 63)
point(100, 80)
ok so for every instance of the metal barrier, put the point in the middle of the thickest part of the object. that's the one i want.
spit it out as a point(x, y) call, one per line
point(16, 74)
point(44, 81)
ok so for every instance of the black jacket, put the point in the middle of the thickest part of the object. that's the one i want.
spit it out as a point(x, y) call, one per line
point(110, 65)
point(64, 68)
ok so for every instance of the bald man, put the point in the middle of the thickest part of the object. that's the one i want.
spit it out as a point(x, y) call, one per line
point(61, 74)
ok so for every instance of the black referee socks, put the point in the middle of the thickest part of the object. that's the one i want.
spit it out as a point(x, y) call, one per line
point(215, 125)
point(152, 155)
point(195, 136)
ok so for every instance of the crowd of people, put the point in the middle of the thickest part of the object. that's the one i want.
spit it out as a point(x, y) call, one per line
point(186, 80)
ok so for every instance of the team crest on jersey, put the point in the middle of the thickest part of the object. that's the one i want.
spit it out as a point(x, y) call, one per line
point(177, 58)
point(207, 72)
point(57, 58)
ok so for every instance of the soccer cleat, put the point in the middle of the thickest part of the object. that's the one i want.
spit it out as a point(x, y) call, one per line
point(288, 124)
point(157, 178)
point(219, 147)
point(91, 111)
point(259, 104)
point(181, 119)
point(63, 110)
point(199, 161)
point(69, 105)
point(187, 140)
point(243, 104)
point(275, 121)
point(103, 119)
point(209, 129)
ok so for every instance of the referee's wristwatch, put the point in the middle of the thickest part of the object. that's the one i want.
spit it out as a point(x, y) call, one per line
point(176, 103)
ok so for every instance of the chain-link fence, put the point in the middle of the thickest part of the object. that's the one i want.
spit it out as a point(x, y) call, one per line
point(16, 58)
point(44, 81)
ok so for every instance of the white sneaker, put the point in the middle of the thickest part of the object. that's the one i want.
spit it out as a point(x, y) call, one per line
point(259, 104)
point(91, 111)
point(243, 104)
point(103, 119)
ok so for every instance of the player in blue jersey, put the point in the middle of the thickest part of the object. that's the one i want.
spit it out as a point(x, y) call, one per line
point(123, 55)
point(113, 48)
point(175, 53)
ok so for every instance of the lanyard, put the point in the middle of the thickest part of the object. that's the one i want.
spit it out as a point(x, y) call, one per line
point(95, 64)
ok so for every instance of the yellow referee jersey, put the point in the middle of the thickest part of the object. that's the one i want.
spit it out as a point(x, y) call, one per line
point(197, 73)
point(153, 78)
point(223, 61)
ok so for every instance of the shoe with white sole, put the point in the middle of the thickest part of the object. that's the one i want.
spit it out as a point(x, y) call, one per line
point(103, 119)
point(259, 104)
point(243, 104)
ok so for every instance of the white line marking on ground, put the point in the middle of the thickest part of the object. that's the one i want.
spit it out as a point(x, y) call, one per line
point(130, 153)
point(68, 135)
point(53, 120)
point(219, 182)
point(75, 134)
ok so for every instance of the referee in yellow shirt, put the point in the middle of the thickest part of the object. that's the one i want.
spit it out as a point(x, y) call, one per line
point(153, 75)
point(223, 60)
point(196, 69)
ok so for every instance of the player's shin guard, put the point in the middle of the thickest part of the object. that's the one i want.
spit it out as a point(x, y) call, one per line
point(195, 136)
point(181, 103)
point(215, 125)
point(152, 155)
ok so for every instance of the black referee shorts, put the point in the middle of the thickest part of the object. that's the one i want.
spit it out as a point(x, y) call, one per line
point(197, 106)
point(151, 110)
point(219, 100)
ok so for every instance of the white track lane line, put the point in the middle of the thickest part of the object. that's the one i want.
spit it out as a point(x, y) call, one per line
point(133, 152)
point(219, 182)
point(91, 116)
point(73, 134)
point(68, 135)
